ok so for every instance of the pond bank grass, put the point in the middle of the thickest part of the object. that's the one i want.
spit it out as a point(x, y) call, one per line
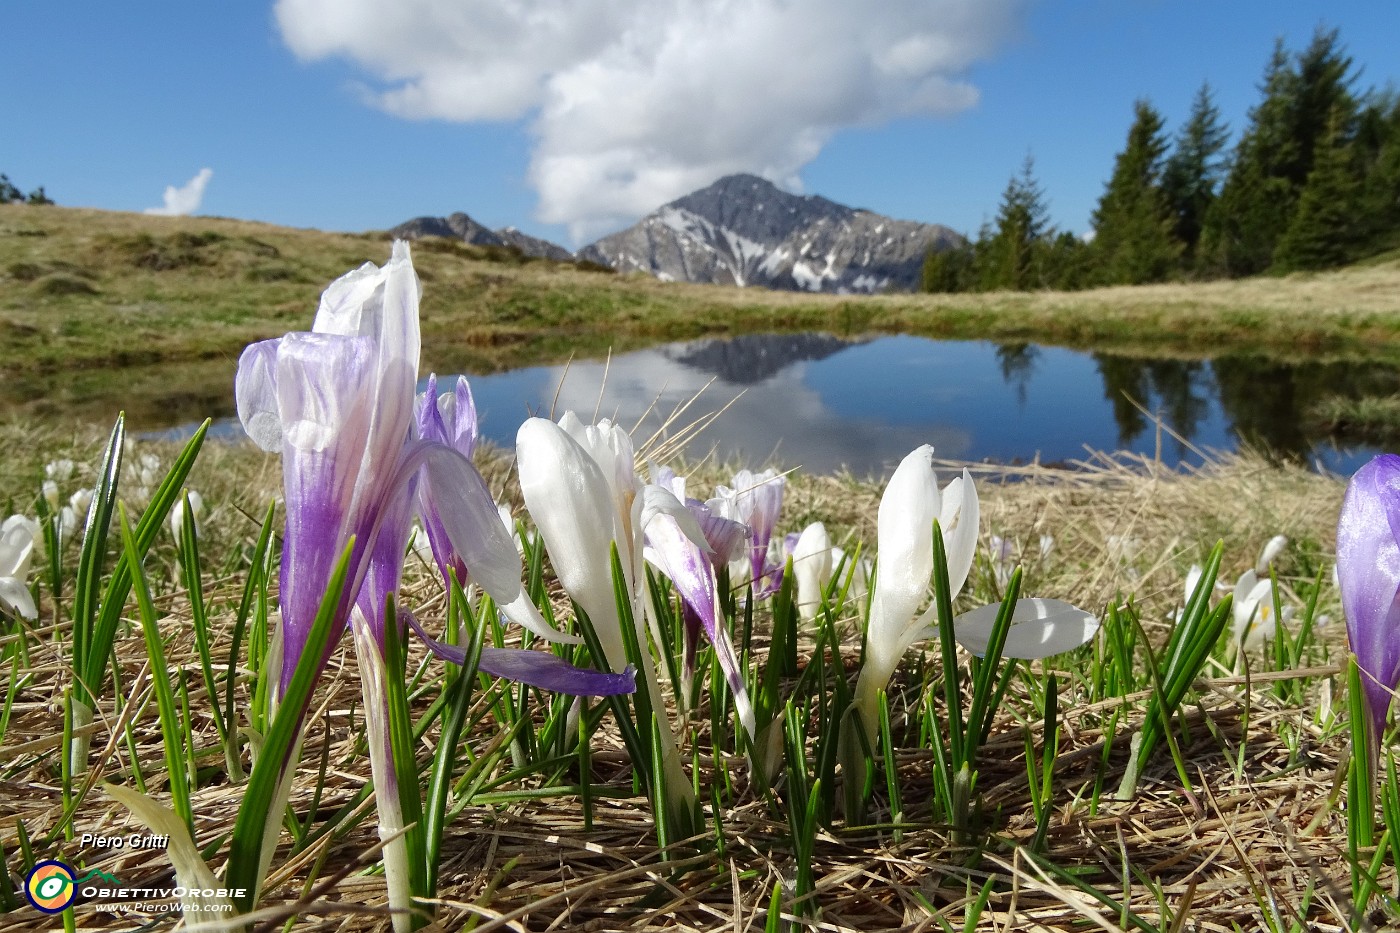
point(92, 289)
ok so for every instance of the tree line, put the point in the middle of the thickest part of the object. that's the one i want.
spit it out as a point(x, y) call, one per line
point(10, 194)
point(1313, 182)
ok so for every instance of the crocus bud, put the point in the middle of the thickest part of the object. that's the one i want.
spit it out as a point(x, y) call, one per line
point(1368, 571)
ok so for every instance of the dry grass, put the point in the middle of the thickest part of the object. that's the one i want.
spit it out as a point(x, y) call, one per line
point(1260, 826)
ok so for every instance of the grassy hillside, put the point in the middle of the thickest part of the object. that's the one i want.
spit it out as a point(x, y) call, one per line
point(91, 290)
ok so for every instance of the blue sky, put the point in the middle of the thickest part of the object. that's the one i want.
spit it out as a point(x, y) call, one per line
point(342, 115)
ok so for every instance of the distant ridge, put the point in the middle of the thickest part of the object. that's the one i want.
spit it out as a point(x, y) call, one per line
point(460, 226)
point(744, 230)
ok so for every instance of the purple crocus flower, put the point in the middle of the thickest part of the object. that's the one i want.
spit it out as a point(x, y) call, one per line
point(755, 500)
point(1368, 571)
point(337, 403)
point(676, 546)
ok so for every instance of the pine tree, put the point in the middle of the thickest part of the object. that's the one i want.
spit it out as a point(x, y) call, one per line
point(1302, 94)
point(1007, 258)
point(1133, 239)
point(1193, 171)
point(1328, 226)
point(1378, 155)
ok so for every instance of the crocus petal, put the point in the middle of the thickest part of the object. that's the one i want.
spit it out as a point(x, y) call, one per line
point(958, 517)
point(536, 668)
point(758, 500)
point(433, 427)
point(1193, 580)
point(1253, 608)
point(1368, 572)
point(255, 390)
point(1039, 628)
point(472, 524)
point(177, 514)
point(550, 672)
point(908, 508)
point(14, 597)
point(17, 539)
point(322, 383)
point(727, 538)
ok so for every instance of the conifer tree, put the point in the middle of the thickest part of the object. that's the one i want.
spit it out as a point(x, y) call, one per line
point(1302, 94)
point(1010, 256)
point(1133, 239)
point(1329, 225)
point(1193, 170)
point(1378, 156)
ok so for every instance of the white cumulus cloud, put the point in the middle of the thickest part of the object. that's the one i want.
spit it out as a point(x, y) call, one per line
point(185, 199)
point(632, 103)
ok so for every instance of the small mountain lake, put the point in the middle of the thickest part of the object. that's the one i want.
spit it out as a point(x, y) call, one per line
point(824, 402)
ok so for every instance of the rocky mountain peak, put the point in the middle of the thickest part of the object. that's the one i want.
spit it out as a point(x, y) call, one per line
point(744, 230)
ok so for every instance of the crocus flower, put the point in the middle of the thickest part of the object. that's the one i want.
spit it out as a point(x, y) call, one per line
point(1368, 571)
point(812, 566)
point(755, 500)
point(910, 505)
point(338, 404)
point(18, 536)
point(1253, 603)
point(177, 514)
point(1253, 598)
point(75, 511)
point(676, 546)
point(60, 470)
point(720, 541)
point(584, 503)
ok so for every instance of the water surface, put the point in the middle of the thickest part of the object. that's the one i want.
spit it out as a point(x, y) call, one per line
point(822, 402)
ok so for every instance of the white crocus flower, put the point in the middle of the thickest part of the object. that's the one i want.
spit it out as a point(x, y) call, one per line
point(1254, 619)
point(581, 507)
point(910, 505)
point(177, 514)
point(75, 512)
point(1272, 549)
point(812, 566)
point(59, 470)
point(18, 537)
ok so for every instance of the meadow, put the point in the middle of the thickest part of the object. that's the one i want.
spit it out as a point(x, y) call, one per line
point(990, 795)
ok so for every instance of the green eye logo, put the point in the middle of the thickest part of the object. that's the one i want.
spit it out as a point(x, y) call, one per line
point(50, 887)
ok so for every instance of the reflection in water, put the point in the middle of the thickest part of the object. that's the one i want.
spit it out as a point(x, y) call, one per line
point(1017, 365)
point(819, 402)
point(822, 403)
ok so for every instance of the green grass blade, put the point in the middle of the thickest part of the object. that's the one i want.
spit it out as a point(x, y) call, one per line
point(86, 656)
point(245, 853)
point(172, 732)
point(119, 583)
